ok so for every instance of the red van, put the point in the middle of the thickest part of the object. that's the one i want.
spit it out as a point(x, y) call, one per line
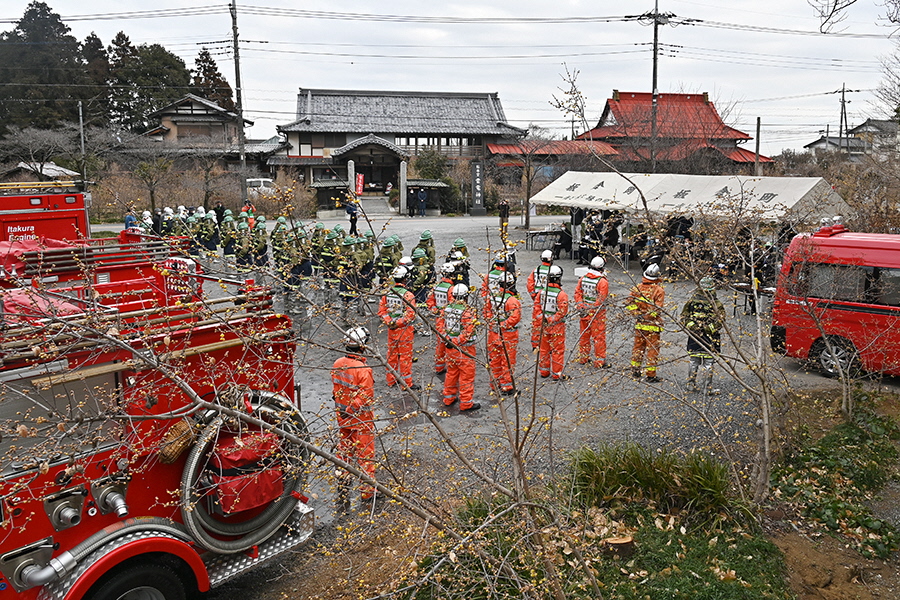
point(838, 301)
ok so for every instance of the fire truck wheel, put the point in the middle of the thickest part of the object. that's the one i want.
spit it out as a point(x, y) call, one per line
point(150, 581)
point(838, 356)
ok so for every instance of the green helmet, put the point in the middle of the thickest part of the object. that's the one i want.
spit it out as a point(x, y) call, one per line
point(459, 243)
point(349, 240)
point(192, 219)
point(261, 225)
point(338, 228)
point(227, 213)
point(261, 219)
point(369, 235)
point(211, 216)
point(320, 225)
point(243, 215)
point(280, 220)
point(243, 225)
point(418, 253)
point(228, 219)
point(389, 242)
point(332, 235)
point(396, 238)
point(426, 235)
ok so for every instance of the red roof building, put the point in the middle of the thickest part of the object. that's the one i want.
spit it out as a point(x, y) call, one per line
point(517, 152)
point(690, 135)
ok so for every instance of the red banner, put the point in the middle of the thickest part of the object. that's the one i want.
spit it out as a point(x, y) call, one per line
point(359, 183)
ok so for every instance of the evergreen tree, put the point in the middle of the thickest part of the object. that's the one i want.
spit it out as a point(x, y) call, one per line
point(145, 78)
point(41, 71)
point(209, 83)
point(96, 67)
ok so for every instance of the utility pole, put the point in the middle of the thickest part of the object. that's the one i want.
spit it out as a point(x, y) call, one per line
point(658, 19)
point(239, 104)
point(757, 168)
point(843, 123)
point(81, 135)
point(655, 103)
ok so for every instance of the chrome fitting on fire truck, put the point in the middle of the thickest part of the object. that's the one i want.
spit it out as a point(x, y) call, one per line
point(110, 496)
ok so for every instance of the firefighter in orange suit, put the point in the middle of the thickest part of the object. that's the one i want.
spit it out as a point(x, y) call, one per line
point(437, 299)
point(554, 305)
point(590, 300)
point(397, 311)
point(535, 285)
point(456, 325)
point(354, 395)
point(646, 303)
point(502, 313)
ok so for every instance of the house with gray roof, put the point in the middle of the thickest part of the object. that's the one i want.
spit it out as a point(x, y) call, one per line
point(880, 135)
point(339, 134)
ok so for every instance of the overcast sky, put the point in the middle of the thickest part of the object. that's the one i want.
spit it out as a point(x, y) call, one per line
point(760, 59)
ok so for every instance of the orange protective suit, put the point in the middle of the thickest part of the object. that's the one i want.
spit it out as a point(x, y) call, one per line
point(590, 298)
point(354, 394)
point(397, 312)
point(536, 283)
point(554, 304)
point(437, 299)
point(502, 313)
point(456, 324)
point(646, 303)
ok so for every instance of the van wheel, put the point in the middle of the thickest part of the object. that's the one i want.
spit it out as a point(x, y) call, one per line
point(840, 357)
point(150, 581)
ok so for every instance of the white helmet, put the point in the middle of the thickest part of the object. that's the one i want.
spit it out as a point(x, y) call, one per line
point(168, 211)
point(400, 274)
point(447, 269)
point(547, 256)
point(356, 338)
point(597, 263)
point(459, 256)
point(554, 274)
point(200, 211)
point(652, 272)
point(146, 214)
point(406, 261)
point(460, 291)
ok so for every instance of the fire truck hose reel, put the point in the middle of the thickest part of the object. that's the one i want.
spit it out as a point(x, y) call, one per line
point(202, 526)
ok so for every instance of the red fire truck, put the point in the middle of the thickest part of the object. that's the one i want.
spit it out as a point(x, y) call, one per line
point(838, 301)
point(151, 445)
point(48, 209)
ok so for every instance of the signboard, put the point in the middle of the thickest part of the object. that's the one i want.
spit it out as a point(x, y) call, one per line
point(478, 188)
point(360, 180)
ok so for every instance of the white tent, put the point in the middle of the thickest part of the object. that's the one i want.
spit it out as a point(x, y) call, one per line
point(798, 198)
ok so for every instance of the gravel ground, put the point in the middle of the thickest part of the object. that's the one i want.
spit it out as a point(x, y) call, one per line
point(593, 407)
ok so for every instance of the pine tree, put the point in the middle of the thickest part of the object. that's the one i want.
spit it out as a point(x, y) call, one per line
point(209, 83)
point(96, 66)
point(145, 78)
point(41, 71)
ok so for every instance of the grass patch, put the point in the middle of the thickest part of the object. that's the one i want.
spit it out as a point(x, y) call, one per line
point(829, 480)
point(695, 484)
point(691, 538)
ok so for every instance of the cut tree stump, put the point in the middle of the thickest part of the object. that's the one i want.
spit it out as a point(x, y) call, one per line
point(618, 546)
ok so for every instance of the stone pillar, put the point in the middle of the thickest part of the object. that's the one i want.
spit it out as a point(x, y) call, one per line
point(403, 187)
point(351, 176)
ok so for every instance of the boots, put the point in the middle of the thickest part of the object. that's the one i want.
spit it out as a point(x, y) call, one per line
point(692, 376)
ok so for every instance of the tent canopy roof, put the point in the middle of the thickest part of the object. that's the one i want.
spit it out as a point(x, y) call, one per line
point(802, 198)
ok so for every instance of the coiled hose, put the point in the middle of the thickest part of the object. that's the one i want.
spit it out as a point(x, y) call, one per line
point(203, 527)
